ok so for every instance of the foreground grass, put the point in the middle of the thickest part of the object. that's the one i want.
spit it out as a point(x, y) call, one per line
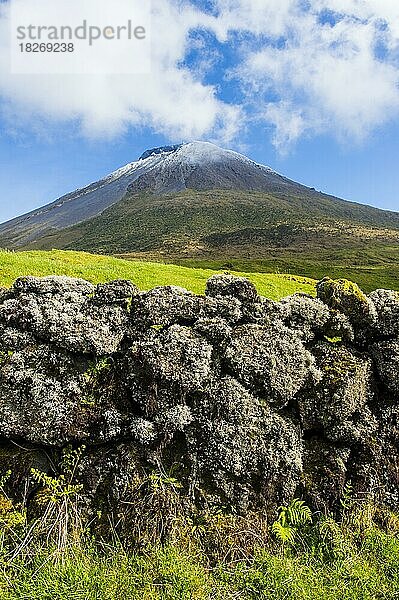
point(163, 547)
point(161, 553)
point(146, 275)
point(367, 571)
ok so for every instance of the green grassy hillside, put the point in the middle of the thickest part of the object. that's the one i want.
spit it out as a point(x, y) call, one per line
point(227, 222)
point(145, 275)
point(372, 268)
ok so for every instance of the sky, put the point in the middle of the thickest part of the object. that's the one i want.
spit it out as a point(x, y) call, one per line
point(308, 87)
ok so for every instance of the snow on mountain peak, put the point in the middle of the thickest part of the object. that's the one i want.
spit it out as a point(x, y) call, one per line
point(198, 153)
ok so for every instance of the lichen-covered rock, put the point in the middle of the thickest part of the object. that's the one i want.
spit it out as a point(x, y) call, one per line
point(337, 407)
point(228, 285)
point(179, 357)
point(106, 474)
point(382, 467)
point(59, 310)
point(386, 303)
point(216, 330)
point(148, 395)
point(326, 471)
point(269, 359)
point(339, 327)
point(47, 397)
point(386, 356)
point(39, 393)
point(262, 311)
point(237, 441)
point(165, 306)
point(143, 431)
point(174, 419)
point(52, 285)
point(229, 309)
point(12, 339)
point(115, 292)
point(4, 292)
point(311, 318)
point(348, 298)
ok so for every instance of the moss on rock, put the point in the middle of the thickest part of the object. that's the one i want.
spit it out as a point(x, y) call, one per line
point(348, 298)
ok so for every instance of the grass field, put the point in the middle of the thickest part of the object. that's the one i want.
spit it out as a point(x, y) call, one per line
point(367, 573)
point(146, 275)
point(372, 268)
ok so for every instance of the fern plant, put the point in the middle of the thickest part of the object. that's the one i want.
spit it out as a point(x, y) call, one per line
point(57, 488)
point(347, 500)
point(290, 520)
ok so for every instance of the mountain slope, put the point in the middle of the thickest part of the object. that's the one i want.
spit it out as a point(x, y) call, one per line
point(75, 207)
point(199, 222)
point(197, 165)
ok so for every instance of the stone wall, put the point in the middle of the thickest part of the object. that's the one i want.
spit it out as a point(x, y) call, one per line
point(249, 402)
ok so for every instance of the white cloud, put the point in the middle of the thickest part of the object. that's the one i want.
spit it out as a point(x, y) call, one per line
point(299, 72)
point(326, 74)
point(257, 16)
point(289, 124)
point(172, 100)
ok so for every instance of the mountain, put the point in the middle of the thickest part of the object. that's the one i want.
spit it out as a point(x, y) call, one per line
point(170, 169)
point(198, 202)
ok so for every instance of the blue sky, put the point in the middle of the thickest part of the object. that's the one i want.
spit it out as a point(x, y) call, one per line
point(308, 88)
